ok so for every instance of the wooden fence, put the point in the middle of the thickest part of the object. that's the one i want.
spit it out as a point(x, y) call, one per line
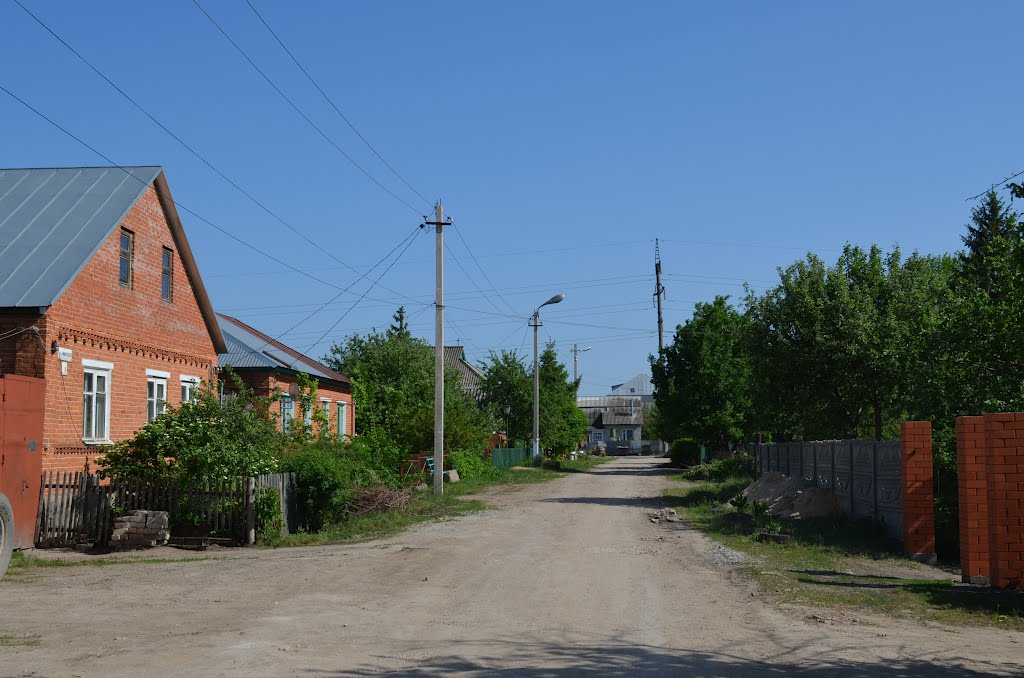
point(76, 508)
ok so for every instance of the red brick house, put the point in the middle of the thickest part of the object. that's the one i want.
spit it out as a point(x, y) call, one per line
point(265, 364)
point(100, 295)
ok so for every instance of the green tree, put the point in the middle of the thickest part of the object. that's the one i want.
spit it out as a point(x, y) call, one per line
point(702, 386)
point(563, 425)
point(507, 383)
point(392, 375)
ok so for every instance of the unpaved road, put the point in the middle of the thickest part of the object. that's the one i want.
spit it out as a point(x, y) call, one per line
point(566, 578)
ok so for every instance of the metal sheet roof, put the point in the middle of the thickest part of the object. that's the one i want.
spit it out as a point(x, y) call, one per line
point(53, 220)
point(247, 347)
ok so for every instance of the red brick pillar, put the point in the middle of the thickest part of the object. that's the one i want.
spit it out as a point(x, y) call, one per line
point(1004, 435)
point(972, 489)
point(918, 495)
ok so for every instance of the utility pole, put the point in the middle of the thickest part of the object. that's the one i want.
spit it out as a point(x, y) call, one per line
point(659, 294)
point(576, 350)
point(439, 224)
point(535, 452)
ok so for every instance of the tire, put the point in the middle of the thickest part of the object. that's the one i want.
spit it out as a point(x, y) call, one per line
point(6, 533)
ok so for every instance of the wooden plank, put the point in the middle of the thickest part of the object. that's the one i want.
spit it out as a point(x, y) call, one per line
point(65, 508)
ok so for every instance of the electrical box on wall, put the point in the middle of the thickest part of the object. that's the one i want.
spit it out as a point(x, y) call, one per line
point(64, 355)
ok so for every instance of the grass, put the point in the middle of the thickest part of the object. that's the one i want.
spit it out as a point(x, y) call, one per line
point(19, 640)
point(21, 562)
point(840, 564)
point(427, 506)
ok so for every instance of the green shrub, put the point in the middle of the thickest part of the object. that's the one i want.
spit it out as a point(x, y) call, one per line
point(685, 452)
point(552, 464)
point(470, 464)
point(269, 521)
point(736, 466)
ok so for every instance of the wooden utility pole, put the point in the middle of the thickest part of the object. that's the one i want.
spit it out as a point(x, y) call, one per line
point(576, 350)
point(439, 224)
point(659, 293)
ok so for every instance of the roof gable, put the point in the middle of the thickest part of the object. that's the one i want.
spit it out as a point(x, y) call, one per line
point(247, 347)
point(54, 220)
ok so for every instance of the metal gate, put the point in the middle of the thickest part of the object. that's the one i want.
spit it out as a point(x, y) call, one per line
point(22, 402)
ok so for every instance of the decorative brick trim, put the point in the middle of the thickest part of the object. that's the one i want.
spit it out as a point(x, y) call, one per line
point(93, 340)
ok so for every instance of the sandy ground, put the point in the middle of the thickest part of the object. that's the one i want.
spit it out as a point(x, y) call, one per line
point(565, 578)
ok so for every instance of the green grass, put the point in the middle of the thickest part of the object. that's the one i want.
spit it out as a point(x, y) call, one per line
point(839, 564)
point(21, 562)
point(19, 640)
point(426, 506)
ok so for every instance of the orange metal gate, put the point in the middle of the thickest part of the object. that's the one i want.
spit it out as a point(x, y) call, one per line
point(22, 402)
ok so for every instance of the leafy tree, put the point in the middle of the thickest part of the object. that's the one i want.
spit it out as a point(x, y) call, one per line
point(563, 425)
point(702, 385)
point(208, 438)
point(507, 383)
point(392, 375)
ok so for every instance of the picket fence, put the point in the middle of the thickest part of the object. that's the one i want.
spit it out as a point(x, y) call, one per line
point(78, 508)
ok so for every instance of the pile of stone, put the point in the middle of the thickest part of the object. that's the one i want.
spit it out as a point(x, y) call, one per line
point(664, 515)
point(138, 529)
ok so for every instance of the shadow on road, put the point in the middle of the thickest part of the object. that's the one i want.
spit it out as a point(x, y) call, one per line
point(638, 502)
point(615, 658)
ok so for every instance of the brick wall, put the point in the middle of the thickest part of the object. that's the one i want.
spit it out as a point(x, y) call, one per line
point(990, 460)
point(918, 495)
point(133, 328)
point(972, 478)
point(264, 382)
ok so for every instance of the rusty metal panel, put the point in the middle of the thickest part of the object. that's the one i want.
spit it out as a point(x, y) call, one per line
point(22, 403)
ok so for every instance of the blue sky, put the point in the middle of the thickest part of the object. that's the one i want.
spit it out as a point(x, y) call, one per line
point(562, 137)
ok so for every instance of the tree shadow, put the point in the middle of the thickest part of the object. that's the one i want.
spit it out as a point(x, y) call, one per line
point(635, 502)
point(617, 658)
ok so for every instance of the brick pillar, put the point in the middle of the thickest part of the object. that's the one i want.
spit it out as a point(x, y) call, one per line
point(972, 489)
point(1004, 435)
point(918, 495)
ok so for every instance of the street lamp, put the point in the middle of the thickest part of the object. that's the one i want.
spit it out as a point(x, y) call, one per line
point(536, 374)
point(576, 350)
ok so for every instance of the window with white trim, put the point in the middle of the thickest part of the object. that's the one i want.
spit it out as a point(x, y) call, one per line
point(287, 412)
point(96, 401)
point(189, 385)
point(597, 436)
point(325, 406)
point(156, 393)
point(342, 419)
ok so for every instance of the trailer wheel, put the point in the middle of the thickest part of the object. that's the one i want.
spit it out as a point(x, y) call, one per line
point(6, 533)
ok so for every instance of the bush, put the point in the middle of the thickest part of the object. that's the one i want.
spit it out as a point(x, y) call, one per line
point(470, 464)
point(685, 452)
point(328, 474)
point(736, 466)
point(269, 521)
point(209, 438)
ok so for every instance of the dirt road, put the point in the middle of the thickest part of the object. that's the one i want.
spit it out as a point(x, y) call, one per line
point(567, 577)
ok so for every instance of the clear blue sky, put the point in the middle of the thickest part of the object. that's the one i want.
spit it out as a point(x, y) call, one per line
point(562, 137)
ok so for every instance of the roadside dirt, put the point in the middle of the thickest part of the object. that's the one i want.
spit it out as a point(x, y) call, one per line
point(567, 577)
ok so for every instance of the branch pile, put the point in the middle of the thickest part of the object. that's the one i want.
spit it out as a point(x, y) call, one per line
point(380, 498)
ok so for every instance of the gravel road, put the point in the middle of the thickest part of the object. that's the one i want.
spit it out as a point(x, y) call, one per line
point(564, 578)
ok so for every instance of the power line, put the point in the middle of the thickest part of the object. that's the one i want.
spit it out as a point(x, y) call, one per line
point(176, 203)
point(470, 278)
point(305, 117)
point(993, 186)
point(465, 244)
point(711, 243)
point(189, 148)
point(331, 102)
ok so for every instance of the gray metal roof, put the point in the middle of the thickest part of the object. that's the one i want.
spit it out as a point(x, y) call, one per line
point(639, 385)
point(470, 376)
point(247, 347)
point(605, 411)
point(53, 220)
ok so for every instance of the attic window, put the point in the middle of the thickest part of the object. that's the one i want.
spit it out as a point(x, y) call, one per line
point(127, 254)
point(167, 275)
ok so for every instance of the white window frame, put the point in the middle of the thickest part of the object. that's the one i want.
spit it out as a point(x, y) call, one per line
point(286, 423)
point(597, 436)
point(97, 367)
point(191, 384)
point(158, 378)
point(341, 425)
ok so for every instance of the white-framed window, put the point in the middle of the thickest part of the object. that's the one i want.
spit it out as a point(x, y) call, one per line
point(627, 434)
point(96, 401)
point(325, 406)
point(156, 393)
point(188, 388)
point(613, 434)
point(597, 436)
point(287, 412)
point(342, 422)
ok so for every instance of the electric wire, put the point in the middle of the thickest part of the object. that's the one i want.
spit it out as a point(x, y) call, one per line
point(299, 111)
point(192, 150)
point(465, 244)
point(331, 101)
point(993, 186)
